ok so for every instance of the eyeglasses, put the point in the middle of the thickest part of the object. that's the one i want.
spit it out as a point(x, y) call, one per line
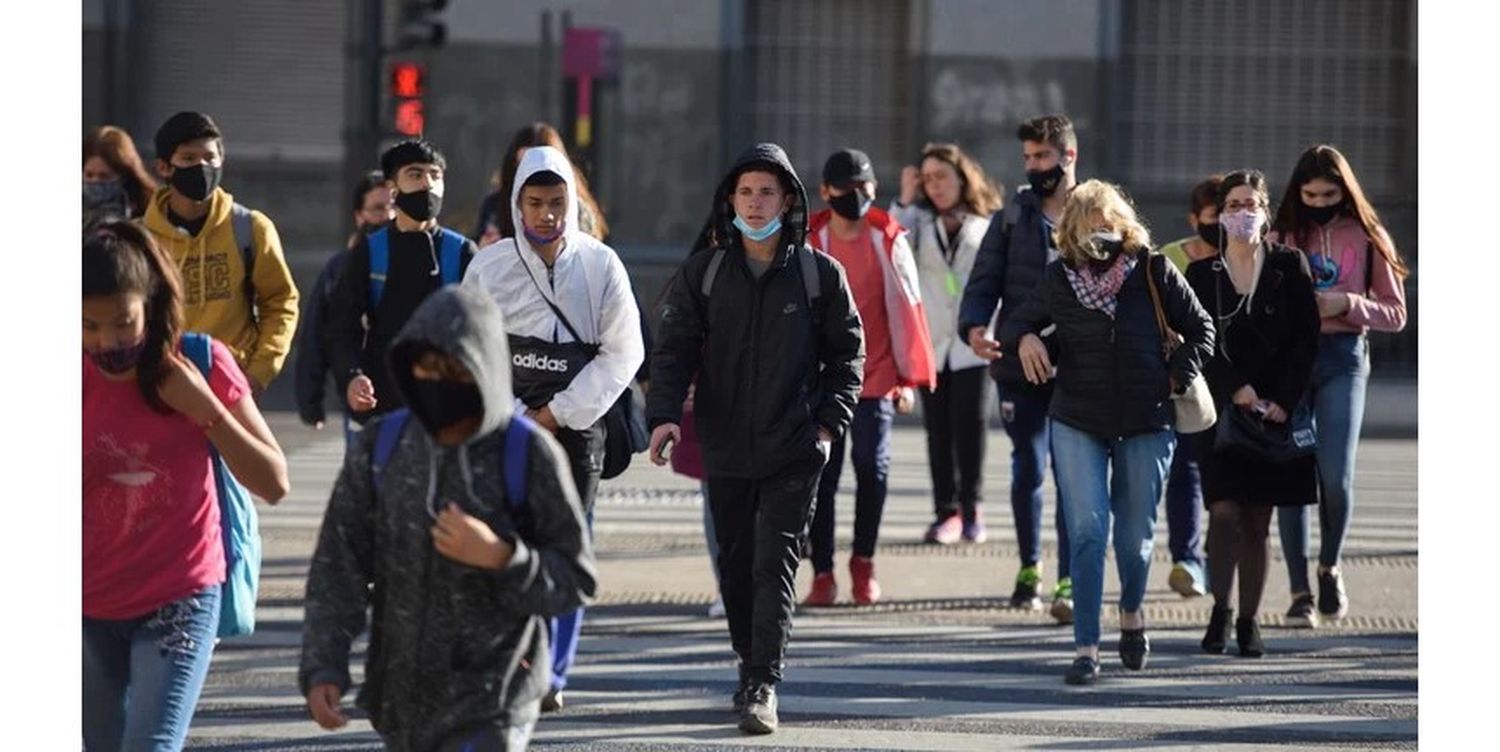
point(1233, 206)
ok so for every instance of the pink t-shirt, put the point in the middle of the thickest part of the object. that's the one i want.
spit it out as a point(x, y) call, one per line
point(150, 514)
point(867, 282)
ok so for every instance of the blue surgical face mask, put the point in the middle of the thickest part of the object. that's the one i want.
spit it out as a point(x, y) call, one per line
point(770, 229)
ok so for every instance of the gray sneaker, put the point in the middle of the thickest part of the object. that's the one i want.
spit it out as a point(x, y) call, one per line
point(759, 716)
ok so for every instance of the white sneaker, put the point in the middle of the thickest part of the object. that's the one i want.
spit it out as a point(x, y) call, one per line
point(716, 609)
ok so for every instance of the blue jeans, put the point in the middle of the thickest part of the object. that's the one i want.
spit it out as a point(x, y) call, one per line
point(565, 630)
point(869, 437)
point(142, 676)
point(1340, 375)
point(1024, 413)
point(1185, 504)
point(1091, 493)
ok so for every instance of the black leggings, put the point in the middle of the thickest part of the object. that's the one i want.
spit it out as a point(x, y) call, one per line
point(1238, 536)
point(954, 417)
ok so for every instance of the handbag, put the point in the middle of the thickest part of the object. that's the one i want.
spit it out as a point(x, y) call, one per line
point(541, 369)
point(239, 523)
point(1248, 436)
point(1194, 407)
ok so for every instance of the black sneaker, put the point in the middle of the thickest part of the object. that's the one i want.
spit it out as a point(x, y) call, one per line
point(1217, 635)
point(759, 715)
point(1333, 602)
point(1247, 634)
point(1302, 614)
point(1085, 670)
point(553, 702)
point(1134, 647)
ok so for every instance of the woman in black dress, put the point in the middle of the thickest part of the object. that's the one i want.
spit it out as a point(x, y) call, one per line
point(1261, 296)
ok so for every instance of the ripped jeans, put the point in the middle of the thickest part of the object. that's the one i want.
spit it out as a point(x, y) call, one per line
point(142, 676)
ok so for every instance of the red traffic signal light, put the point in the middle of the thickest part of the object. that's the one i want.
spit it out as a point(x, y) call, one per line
point(411, 117)
point(408, 80)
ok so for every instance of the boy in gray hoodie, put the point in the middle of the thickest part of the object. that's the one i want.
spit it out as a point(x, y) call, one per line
point(462, 533)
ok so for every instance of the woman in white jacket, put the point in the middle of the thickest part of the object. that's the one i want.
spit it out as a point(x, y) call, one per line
point(947, 204)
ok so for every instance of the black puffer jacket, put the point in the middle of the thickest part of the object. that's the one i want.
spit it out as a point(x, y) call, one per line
point(1007, 273)
point(767, 376)
point(451, 646)
point(1112, 380)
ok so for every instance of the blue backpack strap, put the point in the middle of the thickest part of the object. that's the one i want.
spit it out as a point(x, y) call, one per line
point(200, 349)
point(450, 259)
point(516, 469)
point(380, 263)
point(386, 439)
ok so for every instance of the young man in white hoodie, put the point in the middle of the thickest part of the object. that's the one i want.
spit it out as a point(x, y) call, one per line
point(574, 330)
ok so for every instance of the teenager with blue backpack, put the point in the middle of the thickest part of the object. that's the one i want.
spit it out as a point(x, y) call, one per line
point(456, 526)
point(388, 274)
point(170, 551)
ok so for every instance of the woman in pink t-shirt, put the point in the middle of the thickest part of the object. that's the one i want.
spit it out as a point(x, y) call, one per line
point(153, 553)
point(1358, 275)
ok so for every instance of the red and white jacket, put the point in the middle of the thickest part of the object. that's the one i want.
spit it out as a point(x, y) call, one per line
point(911, 342)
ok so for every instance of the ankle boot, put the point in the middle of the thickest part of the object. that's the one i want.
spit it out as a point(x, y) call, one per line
point(1217, 635)
point(1247, 634)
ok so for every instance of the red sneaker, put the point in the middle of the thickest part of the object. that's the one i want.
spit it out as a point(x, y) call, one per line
point(865, 588)
point(825, 591)
point(947, 531)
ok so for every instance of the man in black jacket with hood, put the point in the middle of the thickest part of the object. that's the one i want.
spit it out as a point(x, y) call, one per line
point(461, 540)
point(769, 330)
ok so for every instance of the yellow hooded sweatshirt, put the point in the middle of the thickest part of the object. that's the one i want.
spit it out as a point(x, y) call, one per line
point(213, 284)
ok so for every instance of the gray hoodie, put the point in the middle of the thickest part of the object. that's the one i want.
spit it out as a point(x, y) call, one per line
point(451, 647)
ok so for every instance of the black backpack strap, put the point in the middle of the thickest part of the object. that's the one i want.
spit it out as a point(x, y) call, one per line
point(811, 283)
point(713, 270)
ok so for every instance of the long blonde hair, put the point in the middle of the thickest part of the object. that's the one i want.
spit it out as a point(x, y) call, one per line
point(1076, 228)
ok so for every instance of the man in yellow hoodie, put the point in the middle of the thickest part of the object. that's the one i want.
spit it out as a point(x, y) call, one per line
point(237, 286)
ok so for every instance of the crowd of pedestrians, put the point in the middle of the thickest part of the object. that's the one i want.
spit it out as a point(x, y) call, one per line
point(1224, 372)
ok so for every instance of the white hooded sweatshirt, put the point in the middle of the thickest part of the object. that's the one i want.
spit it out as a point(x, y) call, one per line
point(587, 282)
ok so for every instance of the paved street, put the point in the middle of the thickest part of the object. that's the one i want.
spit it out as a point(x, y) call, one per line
point(939, 666)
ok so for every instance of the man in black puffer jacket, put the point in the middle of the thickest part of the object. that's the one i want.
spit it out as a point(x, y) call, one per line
point(1007, 273)
point(769, 329)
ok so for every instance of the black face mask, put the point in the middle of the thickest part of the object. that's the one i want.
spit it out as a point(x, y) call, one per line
point(1322, 214)
point(420, 205)
point(198, 181)
point(439, 404)
point(1208, 232)
point(851, 206)
point(1045, 183)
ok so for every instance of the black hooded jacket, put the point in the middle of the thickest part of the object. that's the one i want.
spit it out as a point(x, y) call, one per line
point(769, 372)
point(451, 646)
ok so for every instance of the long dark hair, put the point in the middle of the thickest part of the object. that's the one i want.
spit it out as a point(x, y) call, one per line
point(527, 136)
point(119, 258)
point(115, 147)
point(979, 195)
point(1323, 161)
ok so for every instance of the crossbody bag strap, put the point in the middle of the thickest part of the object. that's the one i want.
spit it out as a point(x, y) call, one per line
point(561, 317)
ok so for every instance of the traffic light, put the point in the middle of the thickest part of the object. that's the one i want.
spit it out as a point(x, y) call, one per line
point(408, 85)
point(420, 26)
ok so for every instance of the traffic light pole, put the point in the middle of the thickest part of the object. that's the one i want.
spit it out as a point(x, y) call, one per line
point(362, 119)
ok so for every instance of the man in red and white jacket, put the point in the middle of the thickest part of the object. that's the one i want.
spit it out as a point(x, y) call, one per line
point(873, 249)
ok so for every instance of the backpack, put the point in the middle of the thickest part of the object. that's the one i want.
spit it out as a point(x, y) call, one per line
point(810, 278)
point(450, 255)
point(514, 464)
point(238, 522)
point(244, 239)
